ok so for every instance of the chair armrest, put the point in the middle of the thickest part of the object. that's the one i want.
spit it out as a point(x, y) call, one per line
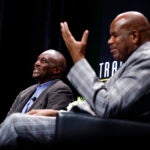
point(82, 127)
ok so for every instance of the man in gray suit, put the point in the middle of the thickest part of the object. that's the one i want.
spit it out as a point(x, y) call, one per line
point(50, 92)
point(124, 95)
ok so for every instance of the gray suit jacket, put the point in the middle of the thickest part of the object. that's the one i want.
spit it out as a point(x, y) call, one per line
point(125, 95)
point(56, 96)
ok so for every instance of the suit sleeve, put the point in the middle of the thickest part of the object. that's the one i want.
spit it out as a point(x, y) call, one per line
point(60, 96)
point(125, 87)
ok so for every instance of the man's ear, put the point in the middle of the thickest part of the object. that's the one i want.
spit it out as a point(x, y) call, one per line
point(57, 70)
point(135, 36)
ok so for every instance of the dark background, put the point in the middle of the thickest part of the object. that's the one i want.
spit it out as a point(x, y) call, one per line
point(28, 27)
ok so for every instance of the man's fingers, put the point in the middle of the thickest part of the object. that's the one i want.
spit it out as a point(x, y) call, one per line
point(85, 36)
point(67, 35)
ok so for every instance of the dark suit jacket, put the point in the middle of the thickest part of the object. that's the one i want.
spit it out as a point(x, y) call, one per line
point(56, 96)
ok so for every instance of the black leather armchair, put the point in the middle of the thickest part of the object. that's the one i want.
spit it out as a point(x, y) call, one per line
point(83, 128)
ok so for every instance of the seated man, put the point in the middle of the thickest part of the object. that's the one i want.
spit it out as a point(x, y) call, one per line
point(124, 95)
point(50, 92)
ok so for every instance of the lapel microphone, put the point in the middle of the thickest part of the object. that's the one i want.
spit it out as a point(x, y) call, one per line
point(34, 98)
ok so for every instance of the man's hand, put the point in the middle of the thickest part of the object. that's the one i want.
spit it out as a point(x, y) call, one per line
point(75, 48)
point(43, 112)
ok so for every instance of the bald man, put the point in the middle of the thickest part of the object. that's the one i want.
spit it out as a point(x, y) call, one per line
point(50, 92)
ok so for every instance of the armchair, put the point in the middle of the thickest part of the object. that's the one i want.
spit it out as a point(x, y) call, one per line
point(82, 128)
